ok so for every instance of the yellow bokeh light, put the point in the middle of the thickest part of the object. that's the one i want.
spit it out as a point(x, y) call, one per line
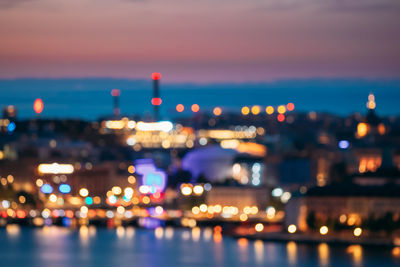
point(198, 189)
point(292, 228)
point(255, 110)
point(362, 129)
point(146, 200)
point(131, 169)
point(269, 110)
point(22, 199)
point(186, 190)
point(39, 182)
point(53, 198)
point(259, 227)
point(195, 210)
point(323, 230)
point(83, 192)
point(245, 110)
point(357, 231)
point(116, 190)
point(281, 109)
point(131, 179)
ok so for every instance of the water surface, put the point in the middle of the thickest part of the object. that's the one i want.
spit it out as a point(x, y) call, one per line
point(53, 246)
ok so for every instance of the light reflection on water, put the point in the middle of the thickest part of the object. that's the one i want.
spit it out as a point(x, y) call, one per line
point(87, 245)
point(323, 254)
point(291, 248)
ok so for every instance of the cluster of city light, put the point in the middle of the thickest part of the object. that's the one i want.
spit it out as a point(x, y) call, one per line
point(120, 124)
point(7, 180)
point(188, 189)
point(56, 168)
point(284, 196)
point(224, 211)
point(162, 126)
point(179, 137)
point(194, 108)
point(256, 174)
point(247, 133)
point(125, 123)
point(256, 110)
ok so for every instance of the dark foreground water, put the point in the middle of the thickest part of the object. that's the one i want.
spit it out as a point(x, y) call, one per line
point(52, 246)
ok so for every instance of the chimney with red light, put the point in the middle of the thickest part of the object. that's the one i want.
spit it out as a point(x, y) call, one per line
point(156, 100)
point(115, 94)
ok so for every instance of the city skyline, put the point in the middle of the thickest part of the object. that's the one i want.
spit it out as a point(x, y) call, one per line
point(90, 98)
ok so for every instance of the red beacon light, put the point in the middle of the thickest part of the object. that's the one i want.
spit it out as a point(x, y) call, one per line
point(156, 101)
point(290, 106)
point(38, 106)
point(115, 92)
point(281, 117)
point(156, 76)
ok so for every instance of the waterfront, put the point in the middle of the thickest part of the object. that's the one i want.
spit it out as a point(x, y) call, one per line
point(56, 246)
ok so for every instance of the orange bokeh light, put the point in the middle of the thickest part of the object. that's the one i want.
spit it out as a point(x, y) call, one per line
point(217, 111)
point(180, 108)
point(195, 108)
point(38, 106)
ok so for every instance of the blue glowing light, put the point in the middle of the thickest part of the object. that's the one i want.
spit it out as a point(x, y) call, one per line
point(46, 189)
point(155, 179)
point(64, 188)
point(344, 144)
point(125, 198)
point(89, 200)
point(11, 127)
point(66, 221)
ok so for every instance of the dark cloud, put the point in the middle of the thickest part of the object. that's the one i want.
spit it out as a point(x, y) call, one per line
point(330, 5)
point(363, 6)
point(12, 3)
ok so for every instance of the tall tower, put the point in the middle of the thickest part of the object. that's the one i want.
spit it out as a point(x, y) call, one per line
point(371, 102)
point(156, 100)
point(115, 94)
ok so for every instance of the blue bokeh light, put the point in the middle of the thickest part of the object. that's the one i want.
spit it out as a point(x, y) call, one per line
point(11, 127)
point(343, 144)
point(46, 189)
point(64, 188)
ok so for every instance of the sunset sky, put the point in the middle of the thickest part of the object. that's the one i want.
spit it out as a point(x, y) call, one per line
point(200, 40)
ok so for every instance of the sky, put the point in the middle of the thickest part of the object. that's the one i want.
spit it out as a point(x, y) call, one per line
point(200, 41)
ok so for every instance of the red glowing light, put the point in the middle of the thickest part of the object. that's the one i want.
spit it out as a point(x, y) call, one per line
point(156, 101)
point(195, 108)
point(21, 214)
point(290, 106)
point(180, 108)
point(115, 92)
point(38, 106)
point(281, 117)
point(156, 76)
